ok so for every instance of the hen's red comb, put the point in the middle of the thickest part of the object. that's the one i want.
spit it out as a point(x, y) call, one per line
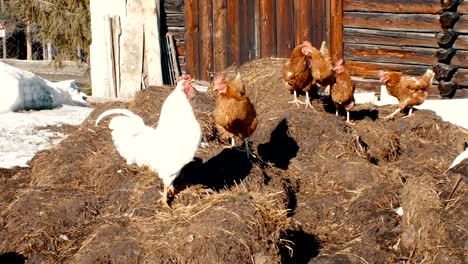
point(307, 43)
point(219, 79)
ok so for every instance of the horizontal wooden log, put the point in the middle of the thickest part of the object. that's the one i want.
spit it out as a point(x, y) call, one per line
point(400, 22)
point(396, 54)
point(367, 85)
point(394, 6)
point(461, 77)
point(413, 39)
point(463, 8)
point(370, 70)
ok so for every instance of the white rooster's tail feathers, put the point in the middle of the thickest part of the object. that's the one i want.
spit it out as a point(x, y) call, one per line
point(120, 111)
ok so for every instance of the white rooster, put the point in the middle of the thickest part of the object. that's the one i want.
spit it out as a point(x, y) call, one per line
point(23, 90)
point(167, 148)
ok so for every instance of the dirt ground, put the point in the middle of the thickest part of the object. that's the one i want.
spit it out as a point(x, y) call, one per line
point(321, 190)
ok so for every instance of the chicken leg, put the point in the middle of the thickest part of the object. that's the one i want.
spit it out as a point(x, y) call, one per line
point(392, 114)
point(307, 102)
point(347, 117)
point(247, 149)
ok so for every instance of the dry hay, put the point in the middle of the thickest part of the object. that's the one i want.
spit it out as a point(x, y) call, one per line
point(323, 191)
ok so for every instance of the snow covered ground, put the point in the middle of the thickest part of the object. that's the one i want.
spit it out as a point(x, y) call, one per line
point(20, 139)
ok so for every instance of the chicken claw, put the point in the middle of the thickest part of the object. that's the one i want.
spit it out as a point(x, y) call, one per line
point(296, 101)
point(307, 102)
point(167, 189)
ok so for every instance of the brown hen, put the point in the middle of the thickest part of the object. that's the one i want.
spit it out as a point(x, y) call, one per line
point(342, 91)
point(296, 72)
point(409, 90)
point(234, 114)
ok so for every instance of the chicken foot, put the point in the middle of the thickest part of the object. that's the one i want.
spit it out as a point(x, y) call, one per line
point(307, 102)
point(296, 101)
point(167, 189)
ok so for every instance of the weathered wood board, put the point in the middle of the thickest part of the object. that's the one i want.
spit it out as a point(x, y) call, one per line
point(152, 42)
point(400, 22)
point(394, 6)
point(410, 39)
point(219, 32)
point(398, 54)
point(132, 51)
point(206, 42)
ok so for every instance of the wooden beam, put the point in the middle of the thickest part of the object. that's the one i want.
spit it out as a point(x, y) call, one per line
point(414, 39)
point(267, 28)
point(206, 39)
point(302, 21)
point(463, 8)
point(132, 51)
point(191, 38)
point(394, 6)
point(397, 54)
point(152, 42)
point(116, 30)
point(336, 29)
point(285, 36)
point(319, 22)
point(372, 36)
point(400, 22)
point(233, 33)
point(248, 34)
point(219, 32)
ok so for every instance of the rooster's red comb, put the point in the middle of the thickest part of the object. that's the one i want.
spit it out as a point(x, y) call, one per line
point(185, 77)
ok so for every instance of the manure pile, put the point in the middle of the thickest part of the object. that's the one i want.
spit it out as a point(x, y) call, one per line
point(322, 191)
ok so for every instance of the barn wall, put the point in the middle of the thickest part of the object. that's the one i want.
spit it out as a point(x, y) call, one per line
point(398, 35)
point(222, 33)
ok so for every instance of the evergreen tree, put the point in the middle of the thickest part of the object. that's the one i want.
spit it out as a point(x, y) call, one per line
point(64, 23)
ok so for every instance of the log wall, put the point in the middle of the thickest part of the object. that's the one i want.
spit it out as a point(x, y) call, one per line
point(399, 35)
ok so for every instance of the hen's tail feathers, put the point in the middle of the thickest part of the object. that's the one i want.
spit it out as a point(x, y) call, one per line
point(121, 111)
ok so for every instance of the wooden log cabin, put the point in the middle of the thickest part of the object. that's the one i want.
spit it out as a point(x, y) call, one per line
point(371, 35)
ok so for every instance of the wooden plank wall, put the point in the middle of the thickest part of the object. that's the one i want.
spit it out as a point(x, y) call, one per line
point(398, 35)
point(222, 33)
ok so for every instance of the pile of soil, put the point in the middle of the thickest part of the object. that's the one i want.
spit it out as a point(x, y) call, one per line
point(320, 191)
